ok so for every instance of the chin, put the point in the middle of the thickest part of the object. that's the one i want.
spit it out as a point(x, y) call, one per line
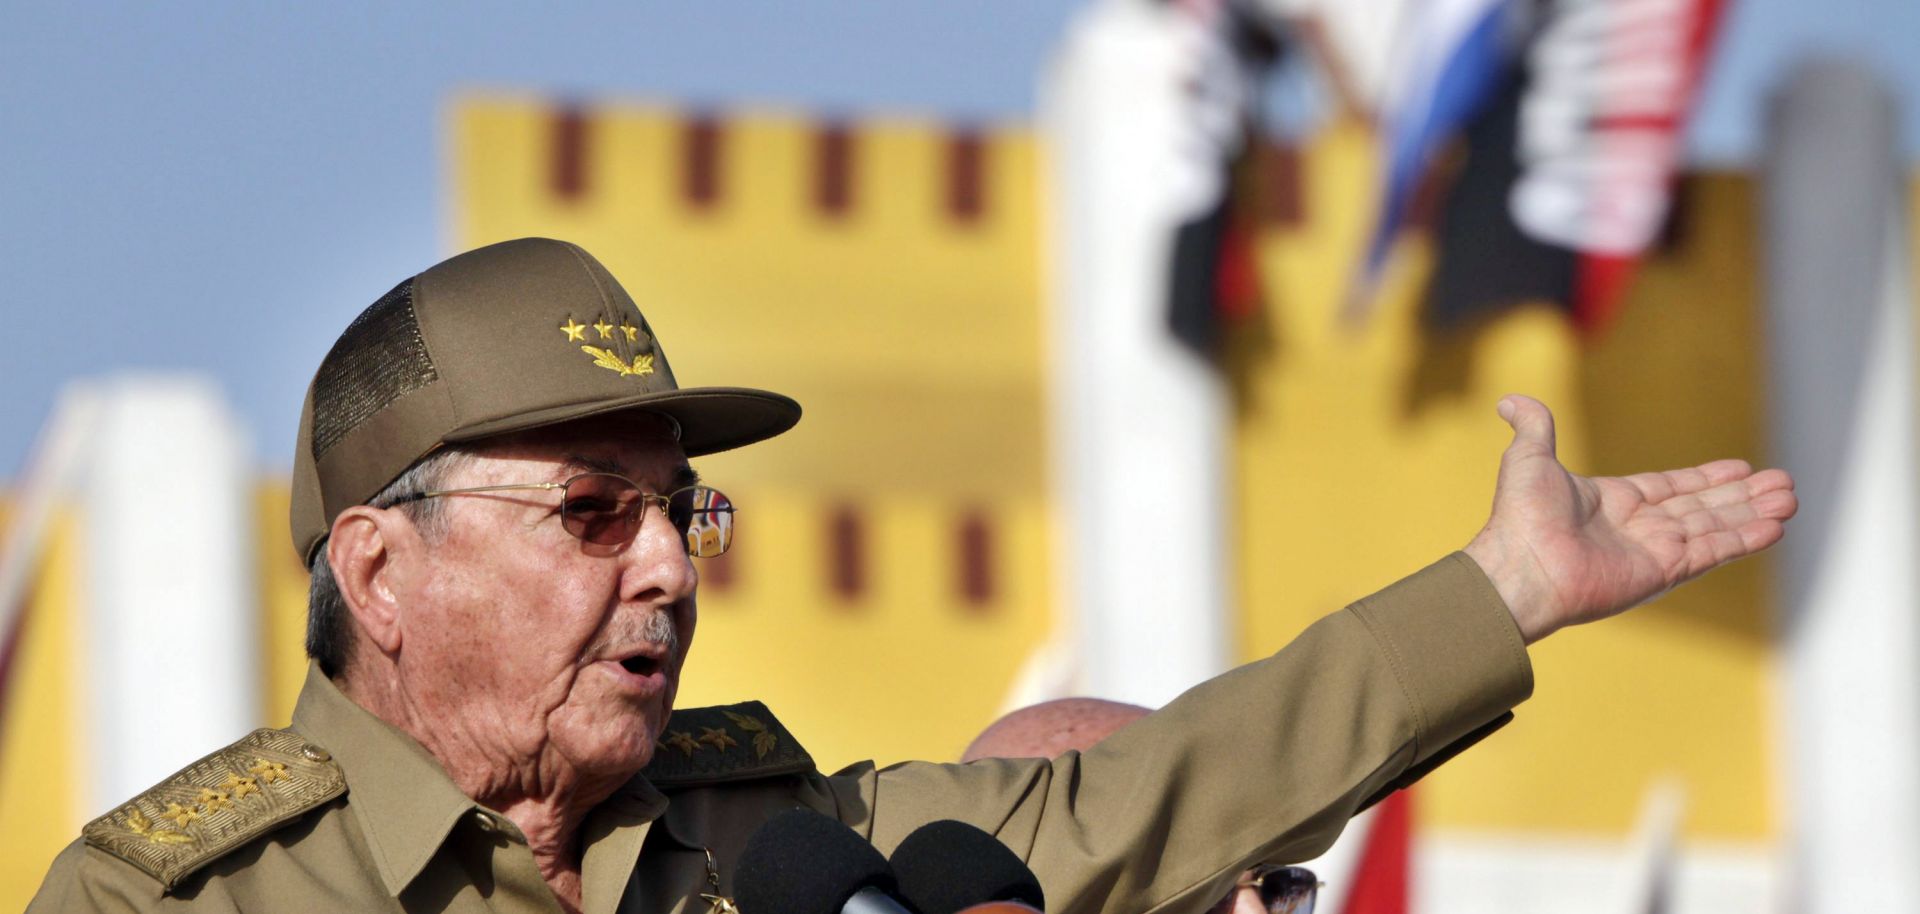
point(611, 740)
point(611, 754)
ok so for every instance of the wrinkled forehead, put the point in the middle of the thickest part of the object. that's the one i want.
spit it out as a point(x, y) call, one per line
point(640, 446)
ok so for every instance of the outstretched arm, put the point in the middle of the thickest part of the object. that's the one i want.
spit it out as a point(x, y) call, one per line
point(1563, 549)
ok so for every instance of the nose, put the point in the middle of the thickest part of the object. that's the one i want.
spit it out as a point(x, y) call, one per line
point(658, 568)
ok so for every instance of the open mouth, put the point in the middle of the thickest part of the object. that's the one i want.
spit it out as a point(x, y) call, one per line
point(640, 665)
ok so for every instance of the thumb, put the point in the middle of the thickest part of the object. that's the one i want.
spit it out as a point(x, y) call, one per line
point(1532, 424)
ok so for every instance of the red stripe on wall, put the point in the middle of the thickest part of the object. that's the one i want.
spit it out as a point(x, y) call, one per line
point(833, 162)
point(568, 136)
point(966, 175)
point(846, 553)
point(973, 577)
point(702, 147)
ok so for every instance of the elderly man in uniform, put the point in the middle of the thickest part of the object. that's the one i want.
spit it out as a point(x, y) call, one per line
point(493, 493)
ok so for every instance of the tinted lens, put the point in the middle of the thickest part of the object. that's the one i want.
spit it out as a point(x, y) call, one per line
point(705, 517)
point(1288, 890)
point(601, 508)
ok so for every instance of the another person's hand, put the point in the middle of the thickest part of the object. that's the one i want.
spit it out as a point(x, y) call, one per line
point(1563, 549)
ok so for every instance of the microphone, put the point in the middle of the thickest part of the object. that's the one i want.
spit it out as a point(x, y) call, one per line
point(801, 862)
point(946, 867)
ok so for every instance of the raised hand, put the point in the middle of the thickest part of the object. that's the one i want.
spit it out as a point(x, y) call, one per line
point(1564, 549)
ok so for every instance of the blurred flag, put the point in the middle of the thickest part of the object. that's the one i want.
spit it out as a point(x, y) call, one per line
point(1452, 56)
point(1212, 277)
point(1570, 168)
point(1381, 881)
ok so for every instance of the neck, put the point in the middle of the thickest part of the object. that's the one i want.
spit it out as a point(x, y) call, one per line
point(539, 791)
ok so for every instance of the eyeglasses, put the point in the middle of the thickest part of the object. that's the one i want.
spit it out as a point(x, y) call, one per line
point(607, 509)
point(1282, 889)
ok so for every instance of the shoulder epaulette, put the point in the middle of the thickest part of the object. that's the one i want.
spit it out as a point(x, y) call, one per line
point(724, 743)
point(217, 804)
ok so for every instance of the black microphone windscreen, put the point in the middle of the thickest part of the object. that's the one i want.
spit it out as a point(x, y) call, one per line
point(946, 866)
point(801, 862)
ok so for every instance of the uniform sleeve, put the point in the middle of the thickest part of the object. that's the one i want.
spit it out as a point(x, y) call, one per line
point(1264, 763)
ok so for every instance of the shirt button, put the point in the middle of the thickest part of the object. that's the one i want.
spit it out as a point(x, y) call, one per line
point(485, 823)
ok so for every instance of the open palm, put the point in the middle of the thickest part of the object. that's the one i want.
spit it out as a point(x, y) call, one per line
point(1563, 549)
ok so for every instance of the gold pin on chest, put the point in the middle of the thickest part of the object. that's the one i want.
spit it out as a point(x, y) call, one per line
point(718, 903)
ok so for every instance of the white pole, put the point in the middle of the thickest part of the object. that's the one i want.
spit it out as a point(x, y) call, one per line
point(171, 621)
point(1141, 423)
point(1841, 334)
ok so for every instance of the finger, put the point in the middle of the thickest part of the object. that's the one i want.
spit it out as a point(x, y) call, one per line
point(1777, 505)
point(1658, 487)
point(1718, 472)
point(1532, 424)
point(1760, 534)
point(1704, 553)
point(1769, 480)
point(1729, 507)
point(1729, 517)
point(1738, 492)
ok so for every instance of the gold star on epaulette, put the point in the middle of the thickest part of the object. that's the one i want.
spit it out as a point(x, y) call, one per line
point(576, 332)
point(211, 799)
point(717, 737)
point(606, 329)
point(203, 812)
point(239, 786)
point(682, 740)
point(180, 815)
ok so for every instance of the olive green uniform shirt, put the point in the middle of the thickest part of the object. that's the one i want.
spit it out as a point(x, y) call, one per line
point(1267, 762)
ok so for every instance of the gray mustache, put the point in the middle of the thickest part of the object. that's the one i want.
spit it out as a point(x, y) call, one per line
point(655, 628)
point(661, 631)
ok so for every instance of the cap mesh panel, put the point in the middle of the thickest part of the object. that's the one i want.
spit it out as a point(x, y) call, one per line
point(379, 358)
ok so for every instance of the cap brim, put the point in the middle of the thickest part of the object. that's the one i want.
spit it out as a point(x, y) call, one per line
point(712, 419)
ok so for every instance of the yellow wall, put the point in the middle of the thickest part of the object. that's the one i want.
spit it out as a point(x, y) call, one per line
point(41, 775)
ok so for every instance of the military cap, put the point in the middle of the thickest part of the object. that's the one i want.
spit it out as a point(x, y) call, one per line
point(509, 337)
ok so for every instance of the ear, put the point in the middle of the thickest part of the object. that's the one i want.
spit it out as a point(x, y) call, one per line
point(368, 548)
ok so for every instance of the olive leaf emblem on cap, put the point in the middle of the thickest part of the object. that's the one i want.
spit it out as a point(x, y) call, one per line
point(608, 331)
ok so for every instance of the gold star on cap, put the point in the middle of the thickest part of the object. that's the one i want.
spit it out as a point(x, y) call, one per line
point(575, 331)
point(606, 329)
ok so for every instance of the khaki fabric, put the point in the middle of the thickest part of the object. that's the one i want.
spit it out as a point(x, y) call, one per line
point(1264, 763)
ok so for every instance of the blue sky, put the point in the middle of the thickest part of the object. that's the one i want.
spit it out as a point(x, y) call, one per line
point(223, 191)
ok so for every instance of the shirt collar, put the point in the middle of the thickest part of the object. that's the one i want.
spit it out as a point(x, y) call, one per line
point(406, 803)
